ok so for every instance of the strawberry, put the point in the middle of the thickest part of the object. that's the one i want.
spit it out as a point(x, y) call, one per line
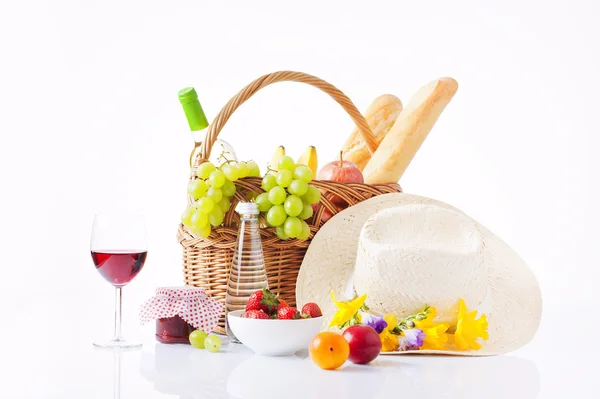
point(312, 309)
point(282, 304)
point(255, 314)
point(263, 300)
point(254, 301)
point(269, 302)
point(288, 313)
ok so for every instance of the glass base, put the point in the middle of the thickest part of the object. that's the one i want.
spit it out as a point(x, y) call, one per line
point(121, 343)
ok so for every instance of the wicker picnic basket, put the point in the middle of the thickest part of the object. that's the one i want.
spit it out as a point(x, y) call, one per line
point(206, 262)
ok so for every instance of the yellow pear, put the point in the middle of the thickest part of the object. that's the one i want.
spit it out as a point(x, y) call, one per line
point(310, 159)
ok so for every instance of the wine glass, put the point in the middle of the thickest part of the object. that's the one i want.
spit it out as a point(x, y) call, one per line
point(119, 250)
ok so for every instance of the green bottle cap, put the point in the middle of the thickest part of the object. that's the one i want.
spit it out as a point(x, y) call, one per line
point(193, 111)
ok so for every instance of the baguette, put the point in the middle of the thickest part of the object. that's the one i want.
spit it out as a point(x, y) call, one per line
point(380, 116)
point(398, 148)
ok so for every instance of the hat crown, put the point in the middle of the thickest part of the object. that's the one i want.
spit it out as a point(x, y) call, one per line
point(415, 254)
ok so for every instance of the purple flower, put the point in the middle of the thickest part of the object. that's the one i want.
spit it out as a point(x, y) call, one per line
point(414, 338)
point(378, 323)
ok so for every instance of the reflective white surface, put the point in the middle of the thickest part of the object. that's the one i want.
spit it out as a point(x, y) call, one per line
point(560, 362)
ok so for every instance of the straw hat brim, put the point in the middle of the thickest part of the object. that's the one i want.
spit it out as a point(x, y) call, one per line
point(515, 300)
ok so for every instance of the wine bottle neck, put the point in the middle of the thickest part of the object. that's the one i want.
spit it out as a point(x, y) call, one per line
point(193, 110)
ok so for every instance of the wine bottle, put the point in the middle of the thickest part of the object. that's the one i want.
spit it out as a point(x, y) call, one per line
point(221, 151)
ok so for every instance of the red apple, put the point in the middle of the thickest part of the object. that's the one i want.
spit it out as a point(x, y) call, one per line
point(365, 343)
point(342, 172)
point(327, 214)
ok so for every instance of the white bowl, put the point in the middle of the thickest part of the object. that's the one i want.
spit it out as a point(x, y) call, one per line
point(273, 337)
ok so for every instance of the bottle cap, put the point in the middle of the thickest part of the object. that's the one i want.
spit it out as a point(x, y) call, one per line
point(247, 208)
point(192, 108)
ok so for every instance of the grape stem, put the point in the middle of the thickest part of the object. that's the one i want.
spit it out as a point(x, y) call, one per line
point(222, 156)
point(269, 170)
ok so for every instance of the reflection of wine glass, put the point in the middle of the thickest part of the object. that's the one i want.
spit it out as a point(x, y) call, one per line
point(117, 376)
point(119, 249)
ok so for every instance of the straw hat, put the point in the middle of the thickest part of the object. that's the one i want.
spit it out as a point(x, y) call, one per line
point(406, 251)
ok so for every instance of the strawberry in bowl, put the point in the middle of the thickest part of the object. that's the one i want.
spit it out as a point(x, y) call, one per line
point(270, 327)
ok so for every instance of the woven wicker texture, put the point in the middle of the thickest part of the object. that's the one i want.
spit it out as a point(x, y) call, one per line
point(206, 262)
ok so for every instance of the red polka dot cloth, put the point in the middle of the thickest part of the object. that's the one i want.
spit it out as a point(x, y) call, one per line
point(190, 303)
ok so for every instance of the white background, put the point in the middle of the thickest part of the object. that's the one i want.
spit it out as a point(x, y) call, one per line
point(90, 120)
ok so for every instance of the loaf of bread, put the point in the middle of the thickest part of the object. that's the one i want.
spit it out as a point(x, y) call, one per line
point(396, 151)
point(380, 115)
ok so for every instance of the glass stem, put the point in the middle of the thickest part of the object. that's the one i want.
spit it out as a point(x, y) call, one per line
point(118, 305)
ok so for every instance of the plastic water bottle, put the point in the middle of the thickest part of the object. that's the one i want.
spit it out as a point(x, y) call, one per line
point(247, 273)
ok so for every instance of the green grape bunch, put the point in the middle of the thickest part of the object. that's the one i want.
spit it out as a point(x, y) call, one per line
point(212, 191)
point(288, 198)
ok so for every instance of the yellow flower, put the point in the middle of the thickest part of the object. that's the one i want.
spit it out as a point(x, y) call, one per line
point(435, 333)
point(389, 341)
point(392, 321)
point(346, 310)
point(468, 330)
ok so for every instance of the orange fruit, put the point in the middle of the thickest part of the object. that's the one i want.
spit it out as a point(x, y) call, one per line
point(329, 350)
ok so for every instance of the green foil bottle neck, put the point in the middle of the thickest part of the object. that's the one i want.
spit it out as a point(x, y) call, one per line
point(192, 108)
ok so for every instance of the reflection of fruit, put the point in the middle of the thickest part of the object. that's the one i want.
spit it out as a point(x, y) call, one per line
point(342, 172)
point(364, 342)
point(212, 343)
point(312, 309)
point(310, 159)
point(287, 313)
point(255, 314)
point(197, 338)
point(329, 350)
point(273, 164)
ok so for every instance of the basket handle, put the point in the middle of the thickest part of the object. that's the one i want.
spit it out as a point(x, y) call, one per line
point(283, 76)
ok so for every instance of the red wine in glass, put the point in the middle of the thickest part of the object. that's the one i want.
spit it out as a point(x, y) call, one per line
point(119, 267)
point(119, 249)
